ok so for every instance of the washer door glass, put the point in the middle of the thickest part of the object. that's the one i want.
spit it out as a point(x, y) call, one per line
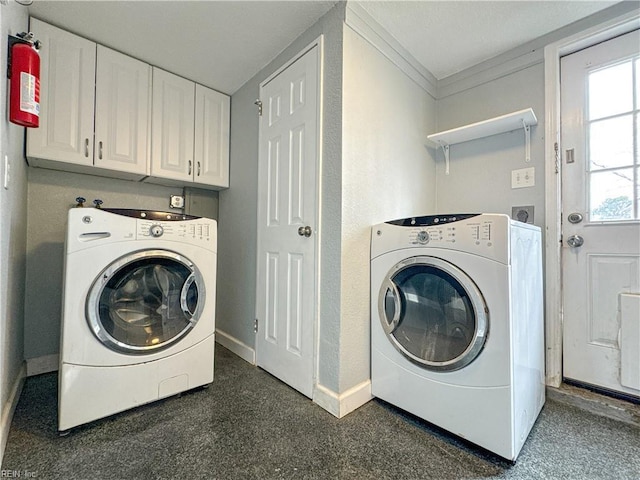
point(145, 301)
point(433, 313)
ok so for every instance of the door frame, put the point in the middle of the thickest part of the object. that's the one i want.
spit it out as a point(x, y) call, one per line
point(317, 42)
point(553, 168)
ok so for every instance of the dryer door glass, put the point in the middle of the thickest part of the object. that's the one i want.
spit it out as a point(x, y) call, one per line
point(145, 301)
point(433, 313)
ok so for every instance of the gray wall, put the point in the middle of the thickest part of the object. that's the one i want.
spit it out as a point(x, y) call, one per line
point(480, 170)
point(13, 19)
point(51, 194)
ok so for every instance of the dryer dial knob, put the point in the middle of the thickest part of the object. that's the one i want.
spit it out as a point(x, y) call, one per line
point(423, 237)
point(156, 230)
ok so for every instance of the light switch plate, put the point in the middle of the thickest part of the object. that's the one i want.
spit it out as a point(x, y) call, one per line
point(525, 177)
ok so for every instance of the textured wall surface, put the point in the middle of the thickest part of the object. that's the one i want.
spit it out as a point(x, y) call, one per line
point(480, 170)
point(387, 173)
point(13, 19)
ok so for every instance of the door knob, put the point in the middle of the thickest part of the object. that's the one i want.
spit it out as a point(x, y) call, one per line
point(575, 241)
point(304, 231)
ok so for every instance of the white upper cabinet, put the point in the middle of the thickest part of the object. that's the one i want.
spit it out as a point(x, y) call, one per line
point(190, 139)
point(83, 83)
point(123, 96)
point(211, 138)
point(67, 79)
point(173, 124)
point(105, 113)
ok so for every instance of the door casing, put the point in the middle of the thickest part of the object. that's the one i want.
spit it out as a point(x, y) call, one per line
point(553, 161)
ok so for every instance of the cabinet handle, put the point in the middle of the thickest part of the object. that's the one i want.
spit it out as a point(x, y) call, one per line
point(86, 147)
point(100, 150)
point(189, 172)
point(198, 168)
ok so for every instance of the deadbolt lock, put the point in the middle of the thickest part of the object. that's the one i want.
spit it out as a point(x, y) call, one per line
point(575, 217)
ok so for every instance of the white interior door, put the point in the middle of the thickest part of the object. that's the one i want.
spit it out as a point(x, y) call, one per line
point(287, 223)
point(600, 99)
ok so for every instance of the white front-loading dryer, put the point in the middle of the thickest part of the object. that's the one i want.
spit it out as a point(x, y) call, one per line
point(456, 324)
point(138, 316)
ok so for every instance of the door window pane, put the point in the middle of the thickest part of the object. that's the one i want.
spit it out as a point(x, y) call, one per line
point(612, 126)
point(611, 143)
point(612, 194)
point(637, 81)
point(611, 91)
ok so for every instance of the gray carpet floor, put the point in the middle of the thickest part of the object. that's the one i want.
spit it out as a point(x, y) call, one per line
point(249, 425)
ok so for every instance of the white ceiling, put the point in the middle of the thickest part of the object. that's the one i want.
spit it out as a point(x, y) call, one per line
point(447, 37)
point(222, 44)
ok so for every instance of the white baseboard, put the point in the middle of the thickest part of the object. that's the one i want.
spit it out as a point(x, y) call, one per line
point(340, 404)
point(43, 364)
point(236, 346)
point(10, 407)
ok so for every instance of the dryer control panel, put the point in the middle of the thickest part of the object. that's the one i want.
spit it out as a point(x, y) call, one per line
point(486, 235)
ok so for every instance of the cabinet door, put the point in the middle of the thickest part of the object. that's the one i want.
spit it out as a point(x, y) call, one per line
point(122, 112)
point(211, 138)
point(172, 127)
point(67, 78)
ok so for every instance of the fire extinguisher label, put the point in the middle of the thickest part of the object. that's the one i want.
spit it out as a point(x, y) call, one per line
point(29, 94)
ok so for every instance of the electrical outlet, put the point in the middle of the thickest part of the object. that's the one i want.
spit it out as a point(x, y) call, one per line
point(176, 201)
point(525, 177)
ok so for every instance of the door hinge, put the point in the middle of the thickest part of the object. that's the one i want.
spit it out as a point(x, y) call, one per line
point(255, 325)
point(258, 102)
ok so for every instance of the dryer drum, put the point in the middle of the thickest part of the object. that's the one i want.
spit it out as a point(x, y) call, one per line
point(433, 313)
point(145, 301)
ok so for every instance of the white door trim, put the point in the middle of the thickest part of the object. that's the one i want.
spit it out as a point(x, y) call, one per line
point(319, 42)
point(553, 161)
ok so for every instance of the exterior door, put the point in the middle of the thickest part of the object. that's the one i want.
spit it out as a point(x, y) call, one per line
point(600, 103)
point(287, 223)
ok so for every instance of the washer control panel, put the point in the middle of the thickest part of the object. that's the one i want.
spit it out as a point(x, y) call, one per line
point(156, 230)
point(171, 230)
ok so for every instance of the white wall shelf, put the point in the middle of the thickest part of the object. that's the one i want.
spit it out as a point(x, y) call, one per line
point(505, 123)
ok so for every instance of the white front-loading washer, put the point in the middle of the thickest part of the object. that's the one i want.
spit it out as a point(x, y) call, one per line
point(457, 324)
point(138, 316)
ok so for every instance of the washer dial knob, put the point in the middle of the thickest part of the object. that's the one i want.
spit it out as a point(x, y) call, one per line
point(156, 230)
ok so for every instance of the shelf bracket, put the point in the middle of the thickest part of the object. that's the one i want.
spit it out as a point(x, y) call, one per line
point(527, 141)
point(445, 150)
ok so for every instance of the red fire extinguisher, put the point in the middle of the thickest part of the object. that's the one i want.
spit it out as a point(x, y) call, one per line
point(24, 104)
